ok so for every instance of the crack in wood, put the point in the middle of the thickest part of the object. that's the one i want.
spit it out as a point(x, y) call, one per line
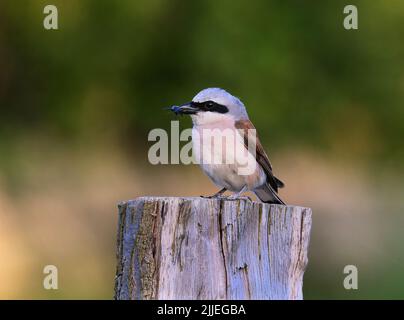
point(221, 235)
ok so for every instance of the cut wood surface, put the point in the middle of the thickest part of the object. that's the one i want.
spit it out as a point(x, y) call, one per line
point(196, 248)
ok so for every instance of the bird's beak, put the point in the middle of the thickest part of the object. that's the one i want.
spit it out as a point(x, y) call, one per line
point(186, 108)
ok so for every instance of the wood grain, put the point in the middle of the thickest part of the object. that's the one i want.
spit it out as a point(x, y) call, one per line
point(195, 248)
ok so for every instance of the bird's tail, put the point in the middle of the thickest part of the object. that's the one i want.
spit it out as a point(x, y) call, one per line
point(267, 194)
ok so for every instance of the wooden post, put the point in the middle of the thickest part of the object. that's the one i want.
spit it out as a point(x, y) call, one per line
point(195, 248)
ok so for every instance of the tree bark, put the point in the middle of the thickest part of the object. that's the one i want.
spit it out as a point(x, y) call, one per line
point(195, 248)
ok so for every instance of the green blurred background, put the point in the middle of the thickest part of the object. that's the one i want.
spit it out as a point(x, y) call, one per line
point(77, 105)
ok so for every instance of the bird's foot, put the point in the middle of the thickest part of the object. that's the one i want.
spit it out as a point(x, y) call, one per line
point(217, 195)
point(240, 198)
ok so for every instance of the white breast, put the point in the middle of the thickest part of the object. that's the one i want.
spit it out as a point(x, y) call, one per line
point(220, 151)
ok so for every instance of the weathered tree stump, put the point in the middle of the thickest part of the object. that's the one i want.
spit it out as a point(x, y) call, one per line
point(195, 248)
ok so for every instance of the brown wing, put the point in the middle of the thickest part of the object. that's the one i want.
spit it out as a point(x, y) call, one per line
point(261, 156)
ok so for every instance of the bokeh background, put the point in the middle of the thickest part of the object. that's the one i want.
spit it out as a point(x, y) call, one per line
point(77, 105)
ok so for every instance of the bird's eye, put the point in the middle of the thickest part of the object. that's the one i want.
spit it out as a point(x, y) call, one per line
point(209, 105)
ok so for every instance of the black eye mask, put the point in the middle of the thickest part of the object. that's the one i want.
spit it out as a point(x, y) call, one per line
point(210, 106)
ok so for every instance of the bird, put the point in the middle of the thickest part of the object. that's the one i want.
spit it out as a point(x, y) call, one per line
point(216, 110)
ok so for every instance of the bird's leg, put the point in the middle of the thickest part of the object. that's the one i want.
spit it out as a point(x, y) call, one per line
point(216, 195)
point(238, 194)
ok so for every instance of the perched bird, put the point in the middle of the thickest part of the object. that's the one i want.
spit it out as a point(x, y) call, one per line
point(216, 110)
